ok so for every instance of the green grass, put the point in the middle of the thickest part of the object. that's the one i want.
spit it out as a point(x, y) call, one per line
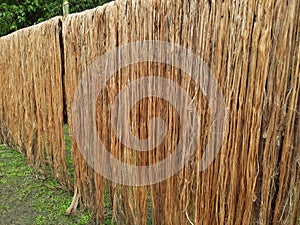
point(69, 159)
point(26, 199)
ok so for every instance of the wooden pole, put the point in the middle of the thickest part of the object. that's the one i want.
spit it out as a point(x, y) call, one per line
point(65, 5)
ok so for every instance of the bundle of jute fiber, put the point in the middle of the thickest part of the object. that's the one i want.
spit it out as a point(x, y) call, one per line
point(252, 50)
point(175, 54)
point(32, 96)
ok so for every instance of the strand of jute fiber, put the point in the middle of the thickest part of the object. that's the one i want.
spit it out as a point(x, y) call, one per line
point(252, 49)
point(31, 97)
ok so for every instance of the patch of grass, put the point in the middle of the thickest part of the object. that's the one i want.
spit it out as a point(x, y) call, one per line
point(25, 199)
point(69, 156)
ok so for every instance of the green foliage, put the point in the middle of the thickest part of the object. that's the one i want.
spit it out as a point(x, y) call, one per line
point(17, 14)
